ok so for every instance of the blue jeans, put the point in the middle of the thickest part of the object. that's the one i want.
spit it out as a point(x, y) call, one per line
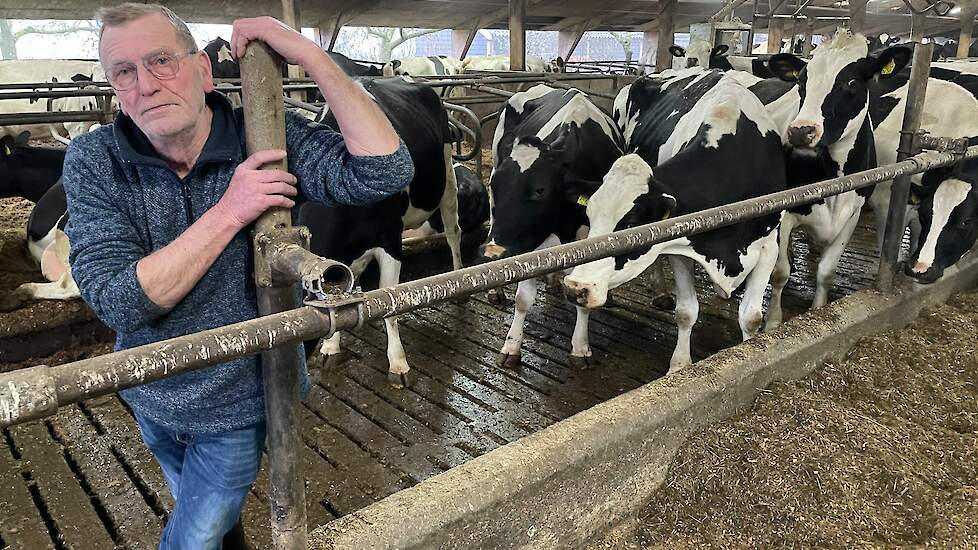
point(209, 476)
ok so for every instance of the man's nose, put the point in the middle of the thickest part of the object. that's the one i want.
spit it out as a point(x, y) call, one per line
point(146, 82)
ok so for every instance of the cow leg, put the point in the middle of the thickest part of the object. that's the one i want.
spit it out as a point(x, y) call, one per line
point(687, 310)
point(580, 347)
point(751, 314)
point(825, 274)
point(526, 293)
point(330, 347)
point(781, 273)
point(390, 273)
point(663, 298)
point(449, 211)
point(880, 202)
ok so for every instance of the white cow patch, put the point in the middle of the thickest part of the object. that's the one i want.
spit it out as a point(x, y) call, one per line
point(577, 111)
point(224, 54)
point(524, 155)
point(948, 196)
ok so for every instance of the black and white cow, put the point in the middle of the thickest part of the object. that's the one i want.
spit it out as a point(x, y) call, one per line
point(532, 63)
point(700, 140)
point(473, 206)
point(34, 173)
point(433, 65)
point(357, 235)
point(718, 59)
point(550, 149)
point(827, 133)
point(948, 214)
point(49, 70)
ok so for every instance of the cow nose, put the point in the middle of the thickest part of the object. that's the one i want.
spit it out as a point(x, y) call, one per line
point(492, 251)
point(576, 292)
point(801, 136)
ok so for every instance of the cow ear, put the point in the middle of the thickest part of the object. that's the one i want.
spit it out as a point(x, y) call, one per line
point(578, 190)
point(22, 139)
point(677, 51)
point(720, 50)
point(668, 206)
point(786, 66)
point(891, 61)
point(6, 146)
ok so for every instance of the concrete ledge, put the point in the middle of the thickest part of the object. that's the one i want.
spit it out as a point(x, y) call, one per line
point(560, 487)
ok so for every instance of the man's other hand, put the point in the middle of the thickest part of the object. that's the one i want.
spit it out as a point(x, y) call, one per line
point(252, 190)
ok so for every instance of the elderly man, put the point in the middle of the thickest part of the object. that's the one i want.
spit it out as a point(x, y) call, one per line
point(160, 203)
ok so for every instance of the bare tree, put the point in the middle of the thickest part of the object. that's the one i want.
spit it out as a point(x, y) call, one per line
point(625, 39)
point(392, 37)
point(9, 35)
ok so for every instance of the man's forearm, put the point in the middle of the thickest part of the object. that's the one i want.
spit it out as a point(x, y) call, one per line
point(365, 128)
point(170, 273)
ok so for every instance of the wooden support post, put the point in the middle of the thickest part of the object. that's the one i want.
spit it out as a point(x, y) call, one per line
point(666, 34)
point(775, 32)
point(857, 15)
point(264, 114)
point(567, 41)
point(517, 35)
point(649, 41)
point(806, 46)
point(330, 30)
point(290, 16)
point(968, 11)
point(462, 41)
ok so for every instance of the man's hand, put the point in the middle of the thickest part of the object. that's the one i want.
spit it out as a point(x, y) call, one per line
point(252, 191)
point(294, 48)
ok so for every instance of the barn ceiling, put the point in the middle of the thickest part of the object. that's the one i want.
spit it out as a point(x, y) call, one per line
point(615, 15)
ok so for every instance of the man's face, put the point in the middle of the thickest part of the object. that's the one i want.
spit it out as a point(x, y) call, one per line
point(160, 108)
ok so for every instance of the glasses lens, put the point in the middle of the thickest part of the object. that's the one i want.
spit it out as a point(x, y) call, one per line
point(163, 65)
point(123, 77)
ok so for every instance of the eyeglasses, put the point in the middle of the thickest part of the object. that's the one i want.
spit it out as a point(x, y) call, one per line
point(162, 64)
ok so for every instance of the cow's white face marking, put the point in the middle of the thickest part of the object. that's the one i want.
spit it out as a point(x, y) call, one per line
point(224, 54)
point(828, 60)
point(948, 196)
point(524, 155)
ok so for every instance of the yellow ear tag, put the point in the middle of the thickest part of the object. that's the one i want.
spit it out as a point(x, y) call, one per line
point(794, 74)
point(888, 68)
point(7, 150)
point(582, 200)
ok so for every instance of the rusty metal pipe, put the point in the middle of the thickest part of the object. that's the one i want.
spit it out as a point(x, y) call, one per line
point(294, 264)
point(264, 114)
point(896, 222)
point(36, 392)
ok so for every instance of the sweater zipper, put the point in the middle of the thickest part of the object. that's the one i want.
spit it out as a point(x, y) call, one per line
point(185, 189)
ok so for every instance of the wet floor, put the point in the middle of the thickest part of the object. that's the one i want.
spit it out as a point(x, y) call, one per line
point(82, 479)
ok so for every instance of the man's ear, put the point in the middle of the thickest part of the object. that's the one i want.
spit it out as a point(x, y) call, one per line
point(677, 51)
point(786, 66)
point(206, 71)
point(891, 61)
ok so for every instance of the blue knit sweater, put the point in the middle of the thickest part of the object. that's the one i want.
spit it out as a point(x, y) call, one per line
point(124, 203)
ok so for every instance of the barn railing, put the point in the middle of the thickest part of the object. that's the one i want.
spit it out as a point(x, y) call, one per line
point(36, 392)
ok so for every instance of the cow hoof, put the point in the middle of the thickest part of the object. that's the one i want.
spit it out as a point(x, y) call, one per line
point(508, 361)
point(399, 380)
point(664, 301)
point(316, 361)
point(582, 363)
point(336, 360)
point(496, 296)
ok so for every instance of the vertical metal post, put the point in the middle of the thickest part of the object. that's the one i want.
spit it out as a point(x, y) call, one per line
point(261, 90)
point(899, 192)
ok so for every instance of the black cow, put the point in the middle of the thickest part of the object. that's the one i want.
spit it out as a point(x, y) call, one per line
point(701, 140)
point(550, 149)
point(473, 205)
point(27, 171)
point(359, 234)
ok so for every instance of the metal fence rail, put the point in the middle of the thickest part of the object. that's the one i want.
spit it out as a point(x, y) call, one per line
point(36, 392)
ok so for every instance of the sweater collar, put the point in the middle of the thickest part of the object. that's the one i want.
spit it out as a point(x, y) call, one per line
point(222, 145)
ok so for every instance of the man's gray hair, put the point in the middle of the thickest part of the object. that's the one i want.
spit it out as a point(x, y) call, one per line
point(115, 16)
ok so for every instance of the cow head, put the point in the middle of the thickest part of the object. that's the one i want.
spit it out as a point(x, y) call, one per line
point(223, 64)
point(556, 65)
point(834, 88)
point(630, 196)
point(531, 189)
point(392, 68)
point(948, 215)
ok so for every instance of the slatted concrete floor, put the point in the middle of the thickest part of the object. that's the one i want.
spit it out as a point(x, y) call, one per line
point(83, 480)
